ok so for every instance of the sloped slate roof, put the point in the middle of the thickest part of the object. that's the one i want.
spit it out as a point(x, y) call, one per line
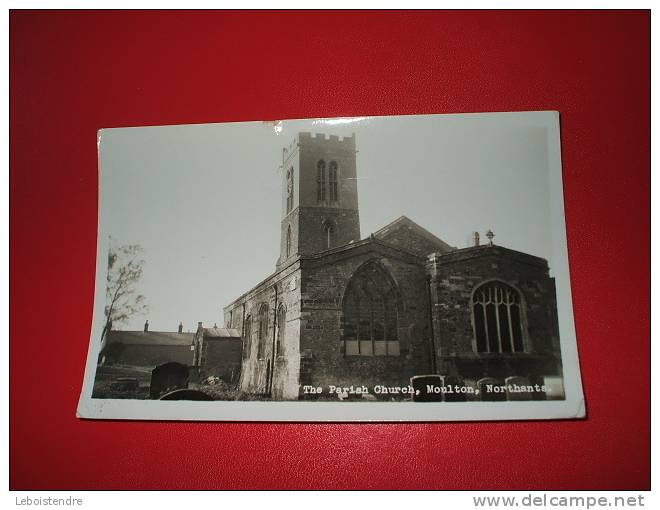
point(421, 231)
point(150, 338)
point(492, 249)
point(221, 333)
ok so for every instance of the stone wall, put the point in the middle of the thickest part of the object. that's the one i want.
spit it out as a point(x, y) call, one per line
point(454, 277)
point(308, 234)
point(313, 238)
point(221, 357)
point(324, 282)
point(269, 373)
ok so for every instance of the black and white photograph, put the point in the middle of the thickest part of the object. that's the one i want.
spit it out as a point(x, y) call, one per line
point(371, 268)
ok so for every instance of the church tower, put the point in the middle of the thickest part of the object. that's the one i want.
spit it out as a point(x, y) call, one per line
point(319, 195)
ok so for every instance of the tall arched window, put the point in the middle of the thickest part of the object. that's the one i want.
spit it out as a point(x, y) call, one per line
point(497, 314)
point(288, 241)
point(370, 314)
point(328, 229)
point(332, 178)
point(320, 181)
point(263, 330)
point(247, 336)
point(289, 190)
point(281, 331)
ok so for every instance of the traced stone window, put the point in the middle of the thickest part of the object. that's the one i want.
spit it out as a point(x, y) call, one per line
point(370, 313)
point(497, 314)
point(332, 175)
point(281, 331)
point(263, 330)
point(247, 336)
point(289, 190)
point(320, 181)
point(288, 241)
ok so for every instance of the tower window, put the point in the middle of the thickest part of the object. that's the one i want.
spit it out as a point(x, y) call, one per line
point(263, 330)
point(328, 230)
point(289, 190)
point(334, 189)
point(288, 241)
point(281, 331)
point(320, 181)
point(370, 314)
point(497, 314)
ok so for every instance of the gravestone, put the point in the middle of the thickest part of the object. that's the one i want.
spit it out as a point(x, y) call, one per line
point(497, 393)
point(540, 381)
point(555, 387)
point(168, 377)
point(455, 387)
point(513, 384)
point(421, 384)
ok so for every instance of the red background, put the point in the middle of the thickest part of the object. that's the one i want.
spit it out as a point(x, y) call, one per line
point(74, 72)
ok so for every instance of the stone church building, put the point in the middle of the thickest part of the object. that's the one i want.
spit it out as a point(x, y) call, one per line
point(344, 310)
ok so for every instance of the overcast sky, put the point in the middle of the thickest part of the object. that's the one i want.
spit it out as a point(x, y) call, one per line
point(204, 200)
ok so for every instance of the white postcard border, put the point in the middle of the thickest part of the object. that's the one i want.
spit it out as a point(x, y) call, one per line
point(309, 411)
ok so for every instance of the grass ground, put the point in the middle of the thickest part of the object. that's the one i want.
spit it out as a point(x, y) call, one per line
point(106, 375)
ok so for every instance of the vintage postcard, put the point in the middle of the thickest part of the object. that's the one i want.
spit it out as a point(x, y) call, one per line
point(404, 268)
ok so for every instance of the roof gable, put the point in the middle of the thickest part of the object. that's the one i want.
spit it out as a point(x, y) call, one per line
point(405, 233)
point(486, 250)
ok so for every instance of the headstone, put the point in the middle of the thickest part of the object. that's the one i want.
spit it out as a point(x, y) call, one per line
point(491, 390)
point(517, 388)
point(455, 389)
point(538, 382)
point(427, 388)
point(168, 377)
point(554, 387)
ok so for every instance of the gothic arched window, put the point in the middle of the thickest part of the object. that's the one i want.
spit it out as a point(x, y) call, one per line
point(320, 181)
point(289, 190)
point(288, 241)
point(370, 314)
point(263, 330)
point(281, 331)
point(328, 229)
point(332, 177)
point(497, 314)
point(247, 336)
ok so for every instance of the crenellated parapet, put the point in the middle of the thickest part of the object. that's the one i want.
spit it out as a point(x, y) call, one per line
point(315, 141)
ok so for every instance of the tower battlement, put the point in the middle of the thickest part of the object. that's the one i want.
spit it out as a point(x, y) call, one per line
point(326, 141)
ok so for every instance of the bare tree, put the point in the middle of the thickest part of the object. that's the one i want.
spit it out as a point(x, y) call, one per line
point(124, 272)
